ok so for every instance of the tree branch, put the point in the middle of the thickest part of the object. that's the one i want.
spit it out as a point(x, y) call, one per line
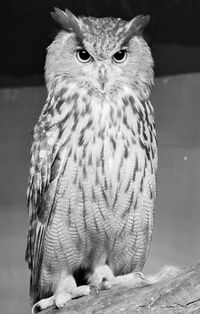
point(180, 294)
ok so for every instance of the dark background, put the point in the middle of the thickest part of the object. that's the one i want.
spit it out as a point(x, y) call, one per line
point(26, 29)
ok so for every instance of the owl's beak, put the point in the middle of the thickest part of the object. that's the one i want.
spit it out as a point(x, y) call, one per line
point(102, 76)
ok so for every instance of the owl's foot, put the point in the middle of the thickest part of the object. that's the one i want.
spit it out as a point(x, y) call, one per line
point(134, 279)
point(102, 277)
point(66, 290)
point(63, 296)
point(137, 279)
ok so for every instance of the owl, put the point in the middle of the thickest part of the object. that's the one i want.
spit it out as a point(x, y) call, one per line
point(92, 185)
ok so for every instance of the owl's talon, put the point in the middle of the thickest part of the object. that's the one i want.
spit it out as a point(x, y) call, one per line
point(42, 305)
point(36, 308)
point(94, 290)
point(105, 285)
point(140, 276)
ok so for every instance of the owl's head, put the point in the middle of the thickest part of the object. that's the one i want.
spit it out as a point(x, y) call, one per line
point(103, 54)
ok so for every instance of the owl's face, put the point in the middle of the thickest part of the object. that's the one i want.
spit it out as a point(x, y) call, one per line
point(101, 53)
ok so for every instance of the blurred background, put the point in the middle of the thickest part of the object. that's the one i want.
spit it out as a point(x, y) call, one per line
point(174, 36)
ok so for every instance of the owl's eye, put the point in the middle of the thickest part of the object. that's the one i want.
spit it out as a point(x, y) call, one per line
point(120, 56)
point(83, 56)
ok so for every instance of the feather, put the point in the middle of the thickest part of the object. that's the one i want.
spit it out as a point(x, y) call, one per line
point(41, 193)
point(136, 26)
point(68, 21)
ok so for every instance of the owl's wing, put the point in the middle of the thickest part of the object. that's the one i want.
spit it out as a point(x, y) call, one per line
point(44, 173)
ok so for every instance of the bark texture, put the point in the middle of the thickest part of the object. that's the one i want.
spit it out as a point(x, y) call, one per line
point(180, 294)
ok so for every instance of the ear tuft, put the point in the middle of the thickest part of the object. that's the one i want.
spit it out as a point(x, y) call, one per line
point(68, 21)
point(140, 21)
point(136, 25)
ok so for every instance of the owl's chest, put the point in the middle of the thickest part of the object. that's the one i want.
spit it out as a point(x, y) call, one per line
point(103, 171)
point(102, 150)
point(100, 132)
point(105, 142)
point(99, 179)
